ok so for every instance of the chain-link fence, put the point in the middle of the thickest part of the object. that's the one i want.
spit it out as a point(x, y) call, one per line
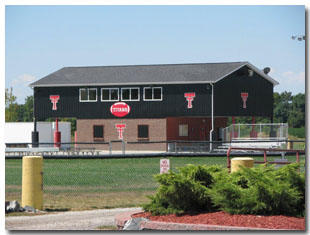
point(76, 184)
point(147, 148)
point(96, 183)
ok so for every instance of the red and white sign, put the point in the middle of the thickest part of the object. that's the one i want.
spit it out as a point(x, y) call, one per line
point(54, 99)
point(120, 109)
point(120, 128)
point(164, 166)
point(244, 97)
point(189, 97)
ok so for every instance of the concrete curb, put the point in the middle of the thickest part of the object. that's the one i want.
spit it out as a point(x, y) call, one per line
point(122, 218)
point(155, 225)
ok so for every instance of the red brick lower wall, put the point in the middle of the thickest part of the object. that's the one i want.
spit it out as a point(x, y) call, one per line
point(198, 128)
point(157, 132)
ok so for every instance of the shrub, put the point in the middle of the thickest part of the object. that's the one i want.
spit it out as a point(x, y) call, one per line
point(262, 191)
point(186, 191)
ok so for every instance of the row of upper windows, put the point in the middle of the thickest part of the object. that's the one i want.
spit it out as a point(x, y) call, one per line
point(127, 94)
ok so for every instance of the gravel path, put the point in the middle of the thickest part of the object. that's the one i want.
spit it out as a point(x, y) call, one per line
point(75, 220)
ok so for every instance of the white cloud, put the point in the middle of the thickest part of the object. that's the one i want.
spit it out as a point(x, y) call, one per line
point(294, 77)
point(291, 81)
point(21, 87)
point(27, 77)
point(23, 80)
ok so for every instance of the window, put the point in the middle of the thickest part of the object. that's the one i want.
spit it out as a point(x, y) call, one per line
point(109, 94)
point(148, 93)
point(98, 131)
point(83, 95)
point(183, 130)
point(130, 94)
point(153, 93)
point(143, 131)
point(88, 95)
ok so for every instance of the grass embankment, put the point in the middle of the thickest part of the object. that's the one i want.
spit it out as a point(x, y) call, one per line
point(80, 184)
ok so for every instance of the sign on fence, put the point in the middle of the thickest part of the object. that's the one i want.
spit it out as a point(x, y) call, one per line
point(164, 166)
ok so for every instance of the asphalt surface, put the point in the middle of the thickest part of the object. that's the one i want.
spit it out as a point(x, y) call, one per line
point(73, 220)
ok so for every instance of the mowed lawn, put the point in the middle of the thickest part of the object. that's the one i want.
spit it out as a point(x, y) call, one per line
point(75, 184)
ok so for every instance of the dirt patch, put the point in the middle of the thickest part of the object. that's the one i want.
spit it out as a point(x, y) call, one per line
point(225, 219)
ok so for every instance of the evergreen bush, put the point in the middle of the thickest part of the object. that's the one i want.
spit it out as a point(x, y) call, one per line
point(186, 191)
point(262, 190)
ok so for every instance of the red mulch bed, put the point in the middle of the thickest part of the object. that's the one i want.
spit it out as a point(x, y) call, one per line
point(225, 219)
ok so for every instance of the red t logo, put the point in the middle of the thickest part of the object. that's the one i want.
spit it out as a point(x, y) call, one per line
point(54, 99)
point(244, 97)
point(189, 97)
point(120, 128)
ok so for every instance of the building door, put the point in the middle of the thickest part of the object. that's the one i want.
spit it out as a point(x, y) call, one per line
point(193, 133)
point(202, 132)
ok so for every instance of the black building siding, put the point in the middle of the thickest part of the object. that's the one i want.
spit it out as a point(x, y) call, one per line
point(227, 100)
point(227, 95)
point(173, 104)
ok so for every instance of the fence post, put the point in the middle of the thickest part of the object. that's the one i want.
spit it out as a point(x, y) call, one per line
point(297, 156)
point(75, 139)
point(110, 147)
point(123, 146)
point(228, 159)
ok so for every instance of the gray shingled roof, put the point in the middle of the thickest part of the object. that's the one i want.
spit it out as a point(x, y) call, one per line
point(143, 74)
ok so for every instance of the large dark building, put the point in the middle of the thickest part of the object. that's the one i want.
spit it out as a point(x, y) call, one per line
point(154, 102)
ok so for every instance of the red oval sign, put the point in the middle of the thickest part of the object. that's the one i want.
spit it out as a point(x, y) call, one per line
point(120, 109)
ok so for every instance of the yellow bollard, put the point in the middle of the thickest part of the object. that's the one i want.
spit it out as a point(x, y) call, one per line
point(32, 182)
point(290, 145)
point(241, 161)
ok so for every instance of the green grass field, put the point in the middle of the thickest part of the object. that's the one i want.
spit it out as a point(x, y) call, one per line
point(75, 184)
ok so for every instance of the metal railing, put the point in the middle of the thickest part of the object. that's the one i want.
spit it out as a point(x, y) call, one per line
point(120, 147)
point(260, 131)
point(298, 152)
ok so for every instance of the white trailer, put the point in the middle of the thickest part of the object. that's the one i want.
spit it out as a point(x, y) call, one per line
point(17, 133)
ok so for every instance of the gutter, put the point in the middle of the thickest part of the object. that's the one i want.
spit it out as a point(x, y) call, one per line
point(121, 83)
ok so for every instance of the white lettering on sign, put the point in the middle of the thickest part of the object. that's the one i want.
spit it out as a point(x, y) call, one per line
point(120, 109)
point(164, 166)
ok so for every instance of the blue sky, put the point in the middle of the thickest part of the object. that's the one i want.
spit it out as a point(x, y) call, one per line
point(42, 39)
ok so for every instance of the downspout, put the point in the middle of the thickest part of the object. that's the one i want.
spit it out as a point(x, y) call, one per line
point(212, 117)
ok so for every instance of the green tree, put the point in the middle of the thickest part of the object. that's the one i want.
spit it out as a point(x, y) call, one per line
point(296, 117)
point(28, 109)
point(11, 106)
point(282, 106)
point(20, 112)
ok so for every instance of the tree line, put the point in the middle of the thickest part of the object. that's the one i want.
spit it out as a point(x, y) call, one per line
point(288, 108)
